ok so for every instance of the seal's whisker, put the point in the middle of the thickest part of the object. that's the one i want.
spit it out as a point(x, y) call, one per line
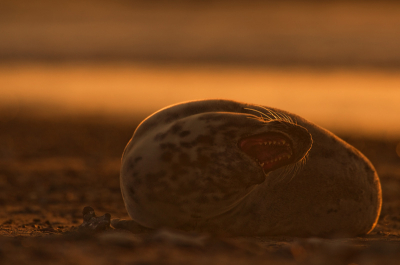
point(295, 168)
point(257, 119)
point(287, 117)
point(282, 116)
point(252, 115)
point(262, 113)
point(271, 112)
point(304, 160)
point(273, 115)
point(289, 170)
point(292, 172)
point(280, 176)
point(278, 115)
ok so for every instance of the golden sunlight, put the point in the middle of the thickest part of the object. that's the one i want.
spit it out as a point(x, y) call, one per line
point(365, 101)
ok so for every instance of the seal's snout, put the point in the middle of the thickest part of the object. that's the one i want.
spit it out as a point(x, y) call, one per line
point(270, 150)
point(284, 144)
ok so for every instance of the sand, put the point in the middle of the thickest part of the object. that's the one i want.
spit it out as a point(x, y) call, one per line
point(50, 169)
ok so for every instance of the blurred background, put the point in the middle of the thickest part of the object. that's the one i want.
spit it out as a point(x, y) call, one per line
point(336, 63)
point(77, 77)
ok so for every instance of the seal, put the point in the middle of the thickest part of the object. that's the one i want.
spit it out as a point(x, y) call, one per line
point(233, 168)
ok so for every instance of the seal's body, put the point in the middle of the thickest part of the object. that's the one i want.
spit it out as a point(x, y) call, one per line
point(233, 168)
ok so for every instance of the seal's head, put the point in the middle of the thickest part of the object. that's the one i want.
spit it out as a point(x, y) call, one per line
point(284, 144)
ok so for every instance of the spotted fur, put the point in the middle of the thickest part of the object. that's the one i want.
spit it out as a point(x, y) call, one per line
point(183, 169)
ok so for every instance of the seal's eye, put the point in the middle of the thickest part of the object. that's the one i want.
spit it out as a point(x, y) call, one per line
point(270, 150)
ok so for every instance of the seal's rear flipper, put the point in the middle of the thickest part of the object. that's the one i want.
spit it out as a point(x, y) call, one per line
point(129, 225)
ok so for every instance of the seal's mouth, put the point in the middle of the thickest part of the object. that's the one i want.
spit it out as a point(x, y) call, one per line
point(270, 150)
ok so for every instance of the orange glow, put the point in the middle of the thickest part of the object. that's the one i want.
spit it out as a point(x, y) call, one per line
point(363, 101)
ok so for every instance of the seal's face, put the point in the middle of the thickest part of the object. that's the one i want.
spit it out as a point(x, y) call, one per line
point(270, 150)
point(275, 149)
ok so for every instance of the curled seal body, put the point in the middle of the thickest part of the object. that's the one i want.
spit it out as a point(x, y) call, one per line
point(228, 167)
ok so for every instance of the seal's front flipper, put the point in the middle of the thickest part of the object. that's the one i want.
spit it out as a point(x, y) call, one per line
point(129, 225)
